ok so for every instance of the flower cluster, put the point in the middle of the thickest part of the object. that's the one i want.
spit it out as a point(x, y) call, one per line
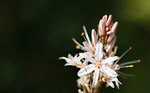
point(97, 62)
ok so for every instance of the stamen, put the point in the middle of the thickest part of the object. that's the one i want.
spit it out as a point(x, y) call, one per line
point(82, 34)
point(115, 49)
point(87, 47)
point(131, 66)
point(131, 62)
point(86, 34)
point(78, 43)
point(124, 74)
point(73, 38)
point(123, 54)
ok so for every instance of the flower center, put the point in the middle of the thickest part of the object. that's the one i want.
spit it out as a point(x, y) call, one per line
point(93, 52)
point(98, 64)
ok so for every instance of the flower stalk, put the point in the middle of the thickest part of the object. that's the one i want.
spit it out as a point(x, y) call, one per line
point(98, 87)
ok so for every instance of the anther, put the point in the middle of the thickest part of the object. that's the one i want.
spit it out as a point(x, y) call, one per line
point(131, 66)
point(139, 60)
point(73, 38)
point(112, 53)
point(116, 47)
point(82, 33)
point(130, 48)
point(93, 52)
point(77, 47)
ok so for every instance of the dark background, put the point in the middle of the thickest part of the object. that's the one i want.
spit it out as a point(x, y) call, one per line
point(34, 33)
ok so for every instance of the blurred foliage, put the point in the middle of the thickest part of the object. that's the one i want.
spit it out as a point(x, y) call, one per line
point(34, 33)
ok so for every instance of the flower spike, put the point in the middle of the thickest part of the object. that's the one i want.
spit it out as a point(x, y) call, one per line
point(98, 62)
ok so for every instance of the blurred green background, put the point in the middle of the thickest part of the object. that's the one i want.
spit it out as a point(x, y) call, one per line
point(34, 33)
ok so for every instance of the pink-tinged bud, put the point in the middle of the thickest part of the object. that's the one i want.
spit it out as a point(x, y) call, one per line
point(110, 38)
point(111, 24)
point(109, 20)
point(107, 29)
point(113, 29)
point(100, 33)
point(105, 19)
point(111, 45)
point(114, 26)
point(101, 28)
point(94, 37)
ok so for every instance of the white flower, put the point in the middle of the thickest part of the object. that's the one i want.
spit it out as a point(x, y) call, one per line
point(73, 61)
point(98, 64)
point(110, 81)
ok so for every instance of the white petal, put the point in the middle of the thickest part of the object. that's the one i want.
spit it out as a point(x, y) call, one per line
point(110, 60)
point(87, 56)
point(77, 59)
point(117, 84)
point(99, 51)
point(69, 64)
point(67, 59)
point(95, 77)
point(86, 70)
point(72, 61)
point(70, 56)
point(109, 72)
point(110, 84)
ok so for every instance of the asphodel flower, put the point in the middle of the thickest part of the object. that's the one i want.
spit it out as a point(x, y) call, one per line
point(100, 66)
point(98, 62)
